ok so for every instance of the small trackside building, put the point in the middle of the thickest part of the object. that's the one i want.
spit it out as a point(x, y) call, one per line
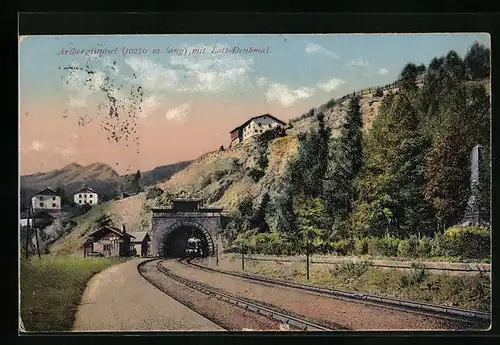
point(140, 243)
point(109, 242)
point(254, 126)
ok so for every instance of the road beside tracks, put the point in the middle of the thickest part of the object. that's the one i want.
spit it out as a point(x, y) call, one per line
point(120, 299)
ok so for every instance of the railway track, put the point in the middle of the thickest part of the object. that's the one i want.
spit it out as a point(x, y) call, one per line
point(476, 270)
point(450, 313)
point(254, 306)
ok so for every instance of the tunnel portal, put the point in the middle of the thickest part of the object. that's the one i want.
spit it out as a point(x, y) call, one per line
point(173, 226)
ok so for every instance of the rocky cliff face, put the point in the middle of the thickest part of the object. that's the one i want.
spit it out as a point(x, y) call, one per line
point(222, 178)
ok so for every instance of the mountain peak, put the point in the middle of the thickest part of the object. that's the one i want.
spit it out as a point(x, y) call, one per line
point(72, 166)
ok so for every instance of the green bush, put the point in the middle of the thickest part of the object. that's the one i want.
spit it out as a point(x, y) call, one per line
point(342, 247)
point(424, 247)
point(361, 246)
point(471, 242)
point(389, 246)
point(408, 248)
point(264, 243)
point(373, 246)
point(153, 192)
point(351, 269)
point(386, 246)
point(256, 174)
point(437, 249)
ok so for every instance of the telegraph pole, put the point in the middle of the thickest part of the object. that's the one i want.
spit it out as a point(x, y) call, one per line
point(217, 255)
point(37, 244)
point(307, 255)
point(28, 226)
point(34, 229)
point(242, 259)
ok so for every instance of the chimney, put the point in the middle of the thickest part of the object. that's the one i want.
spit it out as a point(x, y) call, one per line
point(123, 227)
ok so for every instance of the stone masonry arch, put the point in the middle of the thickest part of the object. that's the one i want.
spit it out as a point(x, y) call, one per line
point(185, 214)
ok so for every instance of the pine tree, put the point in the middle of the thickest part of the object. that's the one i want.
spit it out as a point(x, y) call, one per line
point(477, 61)
point(135, 183)
point(313, 158)
point(259, 219)
point(391, 187)
point(346, 159)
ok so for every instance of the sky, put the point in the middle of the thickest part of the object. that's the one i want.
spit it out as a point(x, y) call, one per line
point(178, 96)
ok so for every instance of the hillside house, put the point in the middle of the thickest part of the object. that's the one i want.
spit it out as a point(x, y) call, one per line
point(255, 125)
point(86, 195)
point(109, 242)
point(140, 243)
point(46, 200)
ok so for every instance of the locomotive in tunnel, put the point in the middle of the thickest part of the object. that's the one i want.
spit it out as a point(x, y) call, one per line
point(186, 242)
point(194, 248)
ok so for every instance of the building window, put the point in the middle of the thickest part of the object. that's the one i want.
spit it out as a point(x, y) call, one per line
point(53, 205)
point(54, 198)
point(90, 201)
point(269, 125)
point(79, 201)
point(41, 204)
point(85, 196)
point(90, 196)
point(260, 124)
point(79, 195)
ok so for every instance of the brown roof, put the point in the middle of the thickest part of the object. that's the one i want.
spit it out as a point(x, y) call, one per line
point(256, 117)
point(46, 191)
point(112, 229)
point(139, 236)
point(85, 189)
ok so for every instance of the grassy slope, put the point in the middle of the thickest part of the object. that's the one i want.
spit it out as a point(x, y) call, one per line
point(51, 289)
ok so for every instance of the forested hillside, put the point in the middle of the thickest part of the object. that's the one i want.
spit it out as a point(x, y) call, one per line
point(407, 176)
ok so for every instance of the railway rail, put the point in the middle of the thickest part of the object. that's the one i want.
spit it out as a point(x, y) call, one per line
point(244, 303)
point(477, 269)
point(446, 312)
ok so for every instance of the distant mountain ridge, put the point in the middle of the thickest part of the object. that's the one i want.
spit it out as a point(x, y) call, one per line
point(99, 176)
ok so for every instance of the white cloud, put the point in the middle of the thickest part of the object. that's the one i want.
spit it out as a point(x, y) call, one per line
point(65, 152)
point(287, 96)
point(261, 81)
point(383, 71)
point(201, 72)
point(151, 75)
point(37, 145)
point(148, 105)
point(331, 84)
point(79, 101)
point(178, 113)
point(358, 63)
point(316, 48)
point(211, 74)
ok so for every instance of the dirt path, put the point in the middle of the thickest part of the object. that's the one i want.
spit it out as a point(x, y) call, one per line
point(352, 315)
point(120, 299)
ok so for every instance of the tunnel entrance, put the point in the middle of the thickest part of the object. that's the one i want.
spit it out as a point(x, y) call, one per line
point(176, 242)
